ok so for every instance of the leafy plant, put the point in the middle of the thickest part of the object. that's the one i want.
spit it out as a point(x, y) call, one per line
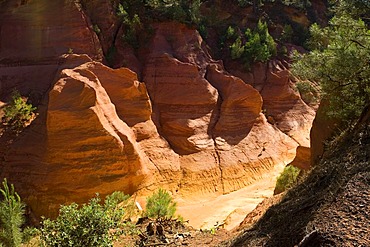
point(135, 14)
point(286, 179)
point(17, 113)
point(160, 205)
point(86, 225)
point(339, 62)
point(255, 46)
point(180, 10)
point(11, 216)
point(29, 233)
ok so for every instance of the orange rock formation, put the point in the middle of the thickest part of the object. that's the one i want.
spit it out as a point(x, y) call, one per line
point(189, 126)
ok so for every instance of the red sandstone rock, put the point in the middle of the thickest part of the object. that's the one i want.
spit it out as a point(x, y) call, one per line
point(84, 147)
point(323, 128)
point(302, 158)
point(281, 104)
point(291, 114)
point(241, 103)
point(43, 29)
point(208, 116)
point(200, 132)
point(104, 21)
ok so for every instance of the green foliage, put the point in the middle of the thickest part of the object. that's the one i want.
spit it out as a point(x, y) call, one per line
point(180, 10)
point(29, 233)
point(160, 205)
point(131, 21)
point(133, 13)
point(244, 3)
point(11, 216)
point(286, 179)
point(339, 61)
point(287, 33)
point(87, 225)
point(231, 33)
point(301, 4)
point(254, 46)
point(17, 113)
point(308, 93)
point(96, 29)
point(355, 8)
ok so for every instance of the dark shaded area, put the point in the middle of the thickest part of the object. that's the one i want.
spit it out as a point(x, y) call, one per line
point(334, 200)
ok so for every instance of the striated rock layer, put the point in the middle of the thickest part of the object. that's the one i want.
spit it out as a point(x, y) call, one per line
point(190, 126)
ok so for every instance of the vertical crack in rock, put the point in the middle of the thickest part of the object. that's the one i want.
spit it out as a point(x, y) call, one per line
point(212, 125)
point(94, 39)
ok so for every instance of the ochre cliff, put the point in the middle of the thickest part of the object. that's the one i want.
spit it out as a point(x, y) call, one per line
point(188, 125)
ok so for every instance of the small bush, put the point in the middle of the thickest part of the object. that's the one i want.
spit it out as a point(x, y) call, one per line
point(87, 225)
point(160, 205)
point(11, 216)
point(17, 113)
point(30, 233)
point(286, 179)
point(254, 46)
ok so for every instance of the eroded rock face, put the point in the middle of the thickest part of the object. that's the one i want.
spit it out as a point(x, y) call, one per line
point(189, 126)
point(42, 29)
point(302, 158)
point(208, 116)
point(84, 147)
point(282, 105)
point(323, 129)
point(33, 37)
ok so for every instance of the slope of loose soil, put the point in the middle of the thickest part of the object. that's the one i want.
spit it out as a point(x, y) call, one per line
point(330, 208)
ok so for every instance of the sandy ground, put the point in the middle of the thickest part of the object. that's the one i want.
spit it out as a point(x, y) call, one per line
point(231, 208)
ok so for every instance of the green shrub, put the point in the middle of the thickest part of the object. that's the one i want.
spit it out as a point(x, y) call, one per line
point(254, 46)
point(286, 179)
point(136, 14)
point(29, 233)
point(231, 33)
point(339, 62)
point(84, 226)
point(180, 10)
point(160, 205)
point(17, 113)
point(11, 216)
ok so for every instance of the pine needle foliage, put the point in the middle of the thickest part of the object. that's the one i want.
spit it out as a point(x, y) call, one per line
point(253, 46)
point(339, 62)
point(160, 205)
point(11, 216)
